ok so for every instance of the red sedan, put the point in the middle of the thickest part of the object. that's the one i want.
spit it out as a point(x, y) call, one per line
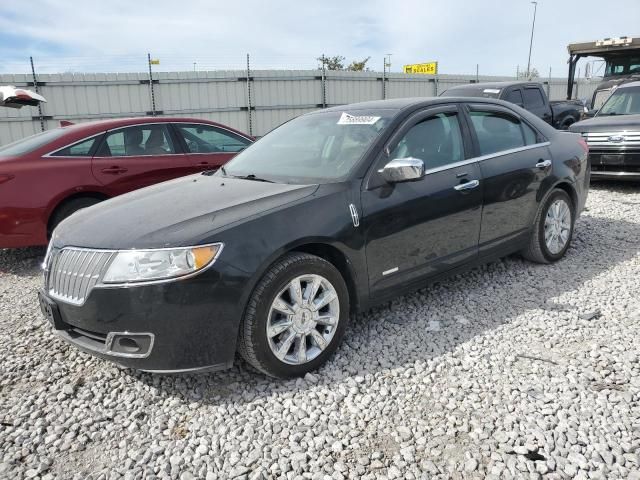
point(47, 177)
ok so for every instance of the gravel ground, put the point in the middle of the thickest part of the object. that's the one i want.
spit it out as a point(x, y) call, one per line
point(513, 370)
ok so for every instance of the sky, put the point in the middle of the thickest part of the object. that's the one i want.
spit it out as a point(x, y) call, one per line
point(116, 35)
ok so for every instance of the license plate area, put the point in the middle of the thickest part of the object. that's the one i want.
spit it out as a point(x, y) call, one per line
point(51, 312)
point(611, 159)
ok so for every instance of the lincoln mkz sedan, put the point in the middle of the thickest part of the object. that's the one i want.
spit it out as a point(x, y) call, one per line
point(329, 214)
point(47, 177)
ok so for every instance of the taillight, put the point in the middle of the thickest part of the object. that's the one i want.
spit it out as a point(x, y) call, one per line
point(4, 178)
point(583, 143)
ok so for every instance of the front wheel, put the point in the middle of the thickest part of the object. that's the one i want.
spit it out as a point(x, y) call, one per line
point(552, 229)
point(296, 316)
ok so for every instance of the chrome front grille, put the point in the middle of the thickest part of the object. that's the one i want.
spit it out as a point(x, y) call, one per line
point(71, 273)
point(613, 140)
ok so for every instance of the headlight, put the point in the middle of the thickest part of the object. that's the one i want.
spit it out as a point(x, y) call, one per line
point(161, 264)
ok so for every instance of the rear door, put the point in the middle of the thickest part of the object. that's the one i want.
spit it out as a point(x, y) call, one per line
point(209, 147)
point(420, 228)
point(536, 102)
point(514, 160)
point(514, 95)
point(138, 156)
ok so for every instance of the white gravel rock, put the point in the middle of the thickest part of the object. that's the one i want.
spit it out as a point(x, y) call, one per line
point(512, 370)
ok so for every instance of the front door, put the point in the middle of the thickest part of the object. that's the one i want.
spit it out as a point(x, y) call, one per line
point(420, 228)
point(138, 156)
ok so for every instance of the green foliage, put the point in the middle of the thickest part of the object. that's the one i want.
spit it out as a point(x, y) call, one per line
point(337, 63)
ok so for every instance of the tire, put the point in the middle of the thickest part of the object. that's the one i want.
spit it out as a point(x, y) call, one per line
point(258, 348)
point(69, 208)
point(539, 250)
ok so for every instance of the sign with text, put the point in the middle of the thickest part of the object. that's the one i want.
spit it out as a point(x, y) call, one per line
point(430, 68)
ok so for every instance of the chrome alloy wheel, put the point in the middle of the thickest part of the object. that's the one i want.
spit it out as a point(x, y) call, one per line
point(557, 226)
point(303, 319)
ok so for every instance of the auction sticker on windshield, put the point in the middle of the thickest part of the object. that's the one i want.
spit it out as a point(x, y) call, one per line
point(346, 119)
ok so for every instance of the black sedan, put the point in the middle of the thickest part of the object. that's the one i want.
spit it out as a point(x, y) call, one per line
point(331, 213)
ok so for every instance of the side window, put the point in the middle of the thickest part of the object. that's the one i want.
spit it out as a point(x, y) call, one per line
point(437, 141)
point(152, 139)
point(497, 131)
point(80, 149)
point(533, 98)
point(514, 96)
point(530, 135)
point(208, 139)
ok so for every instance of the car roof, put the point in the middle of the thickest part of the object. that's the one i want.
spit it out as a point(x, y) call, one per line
point(409, 103)
point(501, 85)
point(630, 84)
point(96, 126)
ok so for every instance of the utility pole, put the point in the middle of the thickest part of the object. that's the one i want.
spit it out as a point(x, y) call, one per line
point(35, 87)
point(386, 64)
point(323, 80)
point(533, 26)
point(249, 107)
point(153, 95)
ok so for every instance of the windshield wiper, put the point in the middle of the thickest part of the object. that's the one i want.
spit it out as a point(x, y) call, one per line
point(251, 176)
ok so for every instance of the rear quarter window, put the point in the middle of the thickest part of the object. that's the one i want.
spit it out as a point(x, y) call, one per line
point(80, 149)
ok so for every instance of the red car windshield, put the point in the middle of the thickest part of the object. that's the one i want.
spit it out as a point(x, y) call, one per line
point(31, 143)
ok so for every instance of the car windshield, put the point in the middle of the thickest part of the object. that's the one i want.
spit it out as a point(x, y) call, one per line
point(31, 143)
point(624, 101)
point(320, 147)
point(622, 66)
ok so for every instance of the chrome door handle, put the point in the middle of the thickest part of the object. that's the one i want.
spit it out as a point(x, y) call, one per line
point(467, 185)
point(543, 164)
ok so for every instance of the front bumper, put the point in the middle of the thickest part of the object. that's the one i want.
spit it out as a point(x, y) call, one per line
point(615, 164)
point(614, 175)
point(187, 325)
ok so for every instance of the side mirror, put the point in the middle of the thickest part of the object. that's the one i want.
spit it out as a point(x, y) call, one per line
point(403, 170)
point(591, 113)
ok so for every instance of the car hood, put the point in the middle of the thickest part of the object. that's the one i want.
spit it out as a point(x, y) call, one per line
point(616, 81)
point(607, 124)
point(181, 212)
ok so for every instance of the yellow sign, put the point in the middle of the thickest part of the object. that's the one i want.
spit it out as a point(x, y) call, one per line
point(155, 61)
point(430, 68)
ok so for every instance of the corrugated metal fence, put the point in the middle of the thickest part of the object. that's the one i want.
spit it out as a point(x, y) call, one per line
point(254, 103)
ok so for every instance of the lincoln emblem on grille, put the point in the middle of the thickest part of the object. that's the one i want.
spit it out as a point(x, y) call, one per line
point(616, 138)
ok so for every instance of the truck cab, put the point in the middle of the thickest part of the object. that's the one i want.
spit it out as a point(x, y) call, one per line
point(622, 64)
point(529, 95)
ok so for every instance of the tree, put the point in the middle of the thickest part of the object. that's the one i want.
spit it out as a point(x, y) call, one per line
point(332, 63)
point(359, 66)
point(337, 63)
point(533, 74)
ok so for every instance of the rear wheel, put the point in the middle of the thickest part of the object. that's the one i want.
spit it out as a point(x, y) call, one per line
point(296, 316)
point(552, 229)
point(69, 208)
